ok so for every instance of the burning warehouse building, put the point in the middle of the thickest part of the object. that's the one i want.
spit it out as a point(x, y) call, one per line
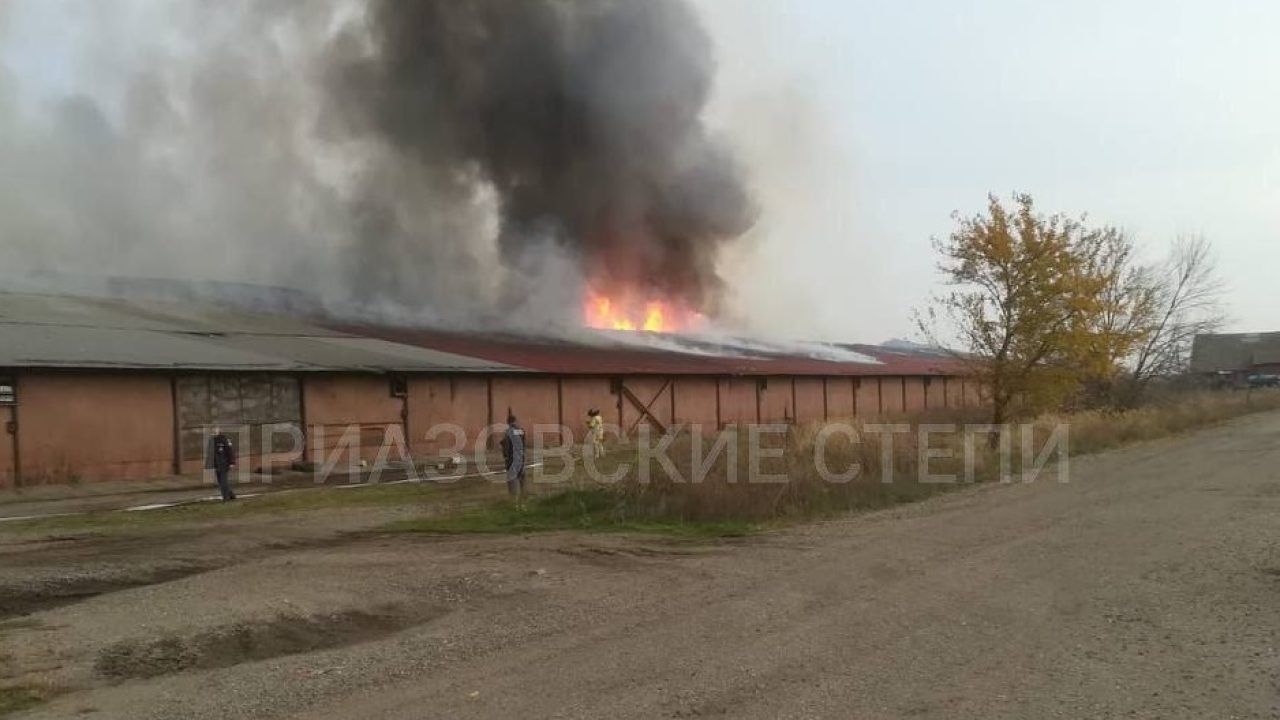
point(462, 158)
point(107, 388)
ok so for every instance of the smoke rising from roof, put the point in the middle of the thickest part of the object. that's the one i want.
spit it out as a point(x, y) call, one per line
point(433, 160)
point(583, 117)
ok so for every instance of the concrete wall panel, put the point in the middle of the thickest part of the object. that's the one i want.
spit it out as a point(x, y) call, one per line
point(94, 426)
point(839, 398)
point(261, 412)
point(810, 401)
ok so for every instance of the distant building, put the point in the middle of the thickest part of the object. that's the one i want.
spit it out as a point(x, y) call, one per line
point(1235, 356)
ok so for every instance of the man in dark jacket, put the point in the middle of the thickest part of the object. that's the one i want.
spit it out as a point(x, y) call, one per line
point(513, 455)
point(220, 458)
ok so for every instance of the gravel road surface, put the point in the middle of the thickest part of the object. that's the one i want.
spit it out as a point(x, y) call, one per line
point(1146, 587)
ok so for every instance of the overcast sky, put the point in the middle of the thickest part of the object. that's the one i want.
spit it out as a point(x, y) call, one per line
point(867, 123)
point(1161, 116)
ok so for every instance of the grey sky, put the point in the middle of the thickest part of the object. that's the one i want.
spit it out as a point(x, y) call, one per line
point(868, 122)
point(1156, 115)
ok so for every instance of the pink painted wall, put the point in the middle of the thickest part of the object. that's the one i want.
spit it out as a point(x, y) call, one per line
point(109, 425)
point(696, 401)
point(840, 398)
point(655, 394)
point(345, 412)
point(973, 394)
point(439, 401)
point(94, 426)
point(737, 400)
point(810, 400)
point(776, 401)
point(915, 394)
point(582, 394)
point(534, 400)
point(868, 397)
point(935, 393)
point(891, 395)
point(7, 441)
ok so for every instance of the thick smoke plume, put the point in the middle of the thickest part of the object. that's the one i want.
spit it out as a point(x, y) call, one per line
point(439, 159)
point(584, 117)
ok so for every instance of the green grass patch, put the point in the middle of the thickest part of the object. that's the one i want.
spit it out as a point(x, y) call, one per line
point(594, 510)
point(19, 698)
point(283, 502)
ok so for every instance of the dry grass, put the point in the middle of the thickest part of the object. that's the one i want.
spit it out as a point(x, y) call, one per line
point(786, 482)
point(1097, 430)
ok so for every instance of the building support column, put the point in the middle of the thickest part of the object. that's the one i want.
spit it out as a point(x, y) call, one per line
point(719, 415)
point(15, 428)
point(560, 405)
point(177, 426)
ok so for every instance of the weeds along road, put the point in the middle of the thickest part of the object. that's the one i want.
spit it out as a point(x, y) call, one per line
point(1148, 586)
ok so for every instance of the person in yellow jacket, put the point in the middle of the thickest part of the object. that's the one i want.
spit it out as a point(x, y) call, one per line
point(595, 432)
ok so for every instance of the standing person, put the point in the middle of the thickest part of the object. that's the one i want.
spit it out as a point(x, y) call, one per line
point(595, 432)
point(220, 458)
point(513, 456)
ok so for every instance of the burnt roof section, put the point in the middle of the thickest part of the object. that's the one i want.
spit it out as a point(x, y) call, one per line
point(59, 331)
point(672, 355)
point(1233, 352)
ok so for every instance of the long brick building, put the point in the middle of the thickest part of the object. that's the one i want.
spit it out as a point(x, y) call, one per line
point(96, 388)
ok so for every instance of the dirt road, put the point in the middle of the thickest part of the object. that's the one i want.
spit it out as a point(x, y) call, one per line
point(1147, 587)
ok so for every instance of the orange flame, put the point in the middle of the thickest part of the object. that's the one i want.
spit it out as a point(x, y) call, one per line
point(627, 313)
point(655, 317)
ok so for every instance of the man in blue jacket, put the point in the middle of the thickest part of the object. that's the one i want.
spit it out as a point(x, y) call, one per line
point(220, 457)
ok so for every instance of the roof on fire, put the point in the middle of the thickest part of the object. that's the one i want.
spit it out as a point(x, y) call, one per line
point(58, 331)
point(673, 355)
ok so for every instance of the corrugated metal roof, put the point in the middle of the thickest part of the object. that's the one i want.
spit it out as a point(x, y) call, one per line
point(565, 357)
point(186, 317)
point(1230, 352)
point(78, 346)
point(66, 332)
point(60, 332)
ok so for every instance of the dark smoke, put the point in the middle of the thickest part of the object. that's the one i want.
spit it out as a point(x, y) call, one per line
point(412, 161)
point(584, 117)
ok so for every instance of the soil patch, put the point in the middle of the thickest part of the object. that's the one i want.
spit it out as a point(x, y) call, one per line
point(248, 641)
point(26, 599)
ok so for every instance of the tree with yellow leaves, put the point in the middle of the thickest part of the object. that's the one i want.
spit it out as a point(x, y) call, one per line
point(1040, 303)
